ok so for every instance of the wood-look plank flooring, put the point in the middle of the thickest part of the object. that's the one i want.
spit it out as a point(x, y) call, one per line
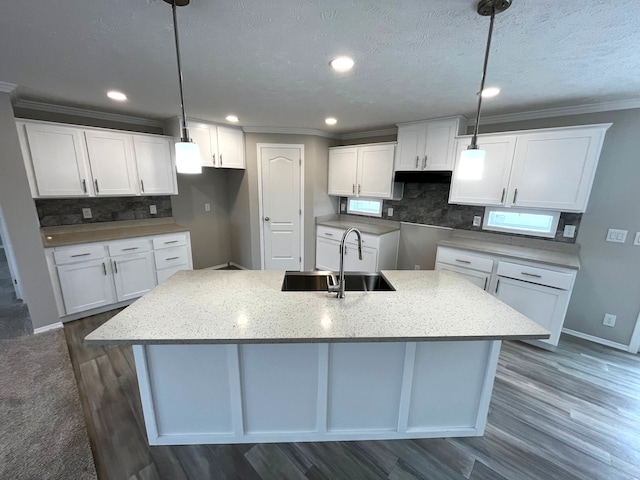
point(572, 414)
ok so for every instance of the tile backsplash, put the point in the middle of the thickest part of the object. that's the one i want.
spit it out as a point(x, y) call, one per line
point(68, 211)
point(427, 204)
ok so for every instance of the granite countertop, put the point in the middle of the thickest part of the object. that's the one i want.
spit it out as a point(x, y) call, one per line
point(559, 258)
point(209, 306)
point(101, 232)
point(370, 228)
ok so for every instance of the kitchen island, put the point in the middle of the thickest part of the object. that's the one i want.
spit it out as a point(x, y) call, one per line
point(227, 357)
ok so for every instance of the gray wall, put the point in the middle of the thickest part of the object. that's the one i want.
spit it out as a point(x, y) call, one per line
point(244, 201)
point(609, 280)
point(22, 223)
point(419, 245)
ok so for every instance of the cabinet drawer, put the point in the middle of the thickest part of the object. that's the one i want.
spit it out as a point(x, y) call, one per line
point(333, 233)
point(79, 253)
point(170, 257)
point(166, 241)
point(134, 245)
point(463, 259)
point(167, 272)
point(540, 276)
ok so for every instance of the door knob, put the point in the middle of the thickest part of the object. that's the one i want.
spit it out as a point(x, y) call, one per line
point(266, 219)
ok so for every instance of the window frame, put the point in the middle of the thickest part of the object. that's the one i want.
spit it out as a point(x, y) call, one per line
point(521, 231)
point(366, 214)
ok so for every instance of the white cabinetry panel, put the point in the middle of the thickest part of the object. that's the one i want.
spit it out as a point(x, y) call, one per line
point(343, 171)
point(86, 285)
point(133, 275)
point(481, 279)
point(375, 171)
point(207, 141)
point(155, 165)
point(352, 262)
point(327, 254)
point(112, 163)
point(230, 148)
point(411, 145)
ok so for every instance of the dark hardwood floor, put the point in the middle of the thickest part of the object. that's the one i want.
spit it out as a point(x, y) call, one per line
point(573, 414)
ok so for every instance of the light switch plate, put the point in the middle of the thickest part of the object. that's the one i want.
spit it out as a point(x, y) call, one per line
point(636, 241)
point(207, 207)
point(616, 236)
point(153, 210)
point(569, 231)
point(86, 213)
point(609, 320)
point(477, 220)
point(389, 212)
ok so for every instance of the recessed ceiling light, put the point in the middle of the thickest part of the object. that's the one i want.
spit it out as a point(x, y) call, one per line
point(117, 96)
point(342, 64)
point(232, 118)
point(490, 92)
point(330, 121)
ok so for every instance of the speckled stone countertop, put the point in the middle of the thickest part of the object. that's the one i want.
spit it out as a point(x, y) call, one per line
point(101, 232)
point(567, 259)
point(214, 306)
point(370, 228)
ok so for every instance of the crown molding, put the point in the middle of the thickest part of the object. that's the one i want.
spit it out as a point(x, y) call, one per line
point(291, 131)
point(561, 112)
point(81, 112)
point(6, 87)
point(369, 134)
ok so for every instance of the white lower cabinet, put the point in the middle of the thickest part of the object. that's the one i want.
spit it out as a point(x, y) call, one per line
point(352, 262)
point(95, 276)
point(540, 292)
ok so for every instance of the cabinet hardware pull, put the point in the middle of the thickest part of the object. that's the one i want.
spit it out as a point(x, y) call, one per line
point(172, 241)
point(84, 185)
point(142, 185)
point(172, 258)
point(485, 283)
point(220, 159)
point(417, 160)
point(354, 189)
point(96, 184)
point(515, 195)
point(504, 192)
point(359, 189)
point(115, 266)
point(214, 159)
point(80, 255)
point(497, 286)
point(104, 268)
point(463, 261)
point(130, 248)
point(266, 219)
point(531, 275)
point(424, 164)
point(329, 234)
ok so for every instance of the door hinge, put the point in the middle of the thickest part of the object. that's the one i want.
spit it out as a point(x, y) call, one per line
point(300, 259)
point(300, 212)
point(300, 162)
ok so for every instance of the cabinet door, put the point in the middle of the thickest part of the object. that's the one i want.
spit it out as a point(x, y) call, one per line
point(411, 147)
point(59, 159)
point(112, 163)
point(491, 189)
point(154, 163)
point(375, 171)
point(207, 141)
point(343, 171)
point(134, 275)
point(327, 254)
point(544, 305)
point(480, 279)
point(230, 148)
point(86, 285)
point(439, 148)
point(555, 170)
point(352, 262)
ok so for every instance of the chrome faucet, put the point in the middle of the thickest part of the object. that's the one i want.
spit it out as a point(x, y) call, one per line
point(339, 288)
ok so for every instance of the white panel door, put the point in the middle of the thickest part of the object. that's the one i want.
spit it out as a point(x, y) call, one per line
point(134, 275)
point(411, 147)
point(343, 171)
point(281, 207)
point(112, 163)
point(352, 262)
point(327, 254)
point(481, 279)
point(206, 139)
point(440, 144)
point(555, 170)
point(154, 162)
point(86, 285)
point(375, 171)
point(491, 189)
point(59, 160)
point(230, 148)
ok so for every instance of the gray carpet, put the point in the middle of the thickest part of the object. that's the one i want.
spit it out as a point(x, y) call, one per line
point(42, 429)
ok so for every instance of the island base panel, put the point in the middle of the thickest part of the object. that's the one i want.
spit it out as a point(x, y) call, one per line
point(221, 394)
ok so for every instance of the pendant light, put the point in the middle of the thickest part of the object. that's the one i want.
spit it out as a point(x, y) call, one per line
point(471, 163)
point(187, 152)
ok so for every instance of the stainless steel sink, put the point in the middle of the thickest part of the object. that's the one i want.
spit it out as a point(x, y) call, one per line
point(319, 281)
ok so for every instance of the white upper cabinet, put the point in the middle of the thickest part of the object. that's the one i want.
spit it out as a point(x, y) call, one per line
point(362, 170)
point(58, 156)
point(154, 164)
point(551, 169)
point(428, 145)
point(112, 163)
point(230, 148)
point(207, 141)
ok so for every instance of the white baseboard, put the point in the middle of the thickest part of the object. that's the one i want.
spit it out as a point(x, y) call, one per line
point(217, 267)
point(591, 338)
point(46, 328)
point(232, 264)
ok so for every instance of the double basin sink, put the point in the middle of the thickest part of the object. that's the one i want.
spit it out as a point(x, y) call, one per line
point(319, 281)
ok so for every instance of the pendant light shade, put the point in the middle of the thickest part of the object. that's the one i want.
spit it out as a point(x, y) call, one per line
point(187, 152)
point(471, 163)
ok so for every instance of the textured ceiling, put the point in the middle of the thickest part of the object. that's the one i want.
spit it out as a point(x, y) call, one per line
point(267, 61)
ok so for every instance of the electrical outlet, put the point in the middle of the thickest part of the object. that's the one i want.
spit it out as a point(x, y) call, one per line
point(569, 231)
point(389, 212)
point(616, 236)
point(636, 241)
point(153, 210)
point(477, 220)
point(343, 207)
point(609, 320)
point(207, 207)
point(416, 267)
point(86, 213)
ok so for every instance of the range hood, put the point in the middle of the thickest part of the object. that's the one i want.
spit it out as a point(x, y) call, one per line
point(432, 176)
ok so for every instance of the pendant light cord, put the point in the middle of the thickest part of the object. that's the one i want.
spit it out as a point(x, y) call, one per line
point(474, 140)
point(185, 132)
